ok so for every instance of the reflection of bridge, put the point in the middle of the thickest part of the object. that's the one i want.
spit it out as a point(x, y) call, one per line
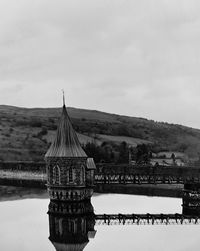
point(146, 219)
point(190, 214)
point(72, 224)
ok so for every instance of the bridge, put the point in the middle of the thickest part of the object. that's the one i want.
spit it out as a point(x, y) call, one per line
point(138, 174)
point(146, 219)
point(108, 173)
point(101, 178)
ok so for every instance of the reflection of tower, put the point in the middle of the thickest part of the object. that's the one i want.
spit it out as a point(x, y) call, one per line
point(71, 225)
point(70, 173)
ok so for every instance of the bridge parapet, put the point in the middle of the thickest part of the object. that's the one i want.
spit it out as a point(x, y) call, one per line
point(137, 178)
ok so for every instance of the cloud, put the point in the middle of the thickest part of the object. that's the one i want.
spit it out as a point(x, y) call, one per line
point(137, 58)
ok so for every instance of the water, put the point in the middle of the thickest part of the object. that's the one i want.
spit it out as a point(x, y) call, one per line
point(24, 224)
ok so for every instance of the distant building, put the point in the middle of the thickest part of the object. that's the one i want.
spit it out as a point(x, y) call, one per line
point(166, 162)
point(70, 173)
point(168, 159)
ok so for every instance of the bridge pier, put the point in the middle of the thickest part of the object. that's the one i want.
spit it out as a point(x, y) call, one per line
point(191, 199)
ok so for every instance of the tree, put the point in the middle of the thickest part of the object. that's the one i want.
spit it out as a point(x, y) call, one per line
point(123, 153)
point(143, 154)
point(103, 153)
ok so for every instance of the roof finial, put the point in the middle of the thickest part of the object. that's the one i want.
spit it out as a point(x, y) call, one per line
point(63, 97)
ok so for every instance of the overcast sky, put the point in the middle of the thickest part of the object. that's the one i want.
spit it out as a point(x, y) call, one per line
point(139, 57)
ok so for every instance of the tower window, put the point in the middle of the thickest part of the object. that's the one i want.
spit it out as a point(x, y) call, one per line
point(56, 175)
point(70, 175)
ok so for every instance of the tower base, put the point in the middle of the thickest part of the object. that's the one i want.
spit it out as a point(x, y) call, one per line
point(69, 194)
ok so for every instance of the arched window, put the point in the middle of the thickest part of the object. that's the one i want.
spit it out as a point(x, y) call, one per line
point(70, 175)
point(56, 175)
point(60, 226)
point(57, 226)
point(72, 226)
point(83, 173)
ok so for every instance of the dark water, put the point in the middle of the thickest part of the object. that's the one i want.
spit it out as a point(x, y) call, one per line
point(24, 223)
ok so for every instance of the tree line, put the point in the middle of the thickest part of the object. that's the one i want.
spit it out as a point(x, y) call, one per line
point(118, 153)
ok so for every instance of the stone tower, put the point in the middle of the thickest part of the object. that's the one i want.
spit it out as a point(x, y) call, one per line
point(70, 173)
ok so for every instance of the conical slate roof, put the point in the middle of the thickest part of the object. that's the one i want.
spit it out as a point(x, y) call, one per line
point(66, 143)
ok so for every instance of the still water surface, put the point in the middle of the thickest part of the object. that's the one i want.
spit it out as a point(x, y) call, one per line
point(24, 225)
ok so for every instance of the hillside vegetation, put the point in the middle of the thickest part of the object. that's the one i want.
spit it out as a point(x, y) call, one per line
point(25, 134)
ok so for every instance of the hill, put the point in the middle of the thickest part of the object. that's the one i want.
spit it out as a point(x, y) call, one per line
point(25, 133)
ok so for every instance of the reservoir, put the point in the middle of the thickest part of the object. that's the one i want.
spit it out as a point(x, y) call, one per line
point(25, 223)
